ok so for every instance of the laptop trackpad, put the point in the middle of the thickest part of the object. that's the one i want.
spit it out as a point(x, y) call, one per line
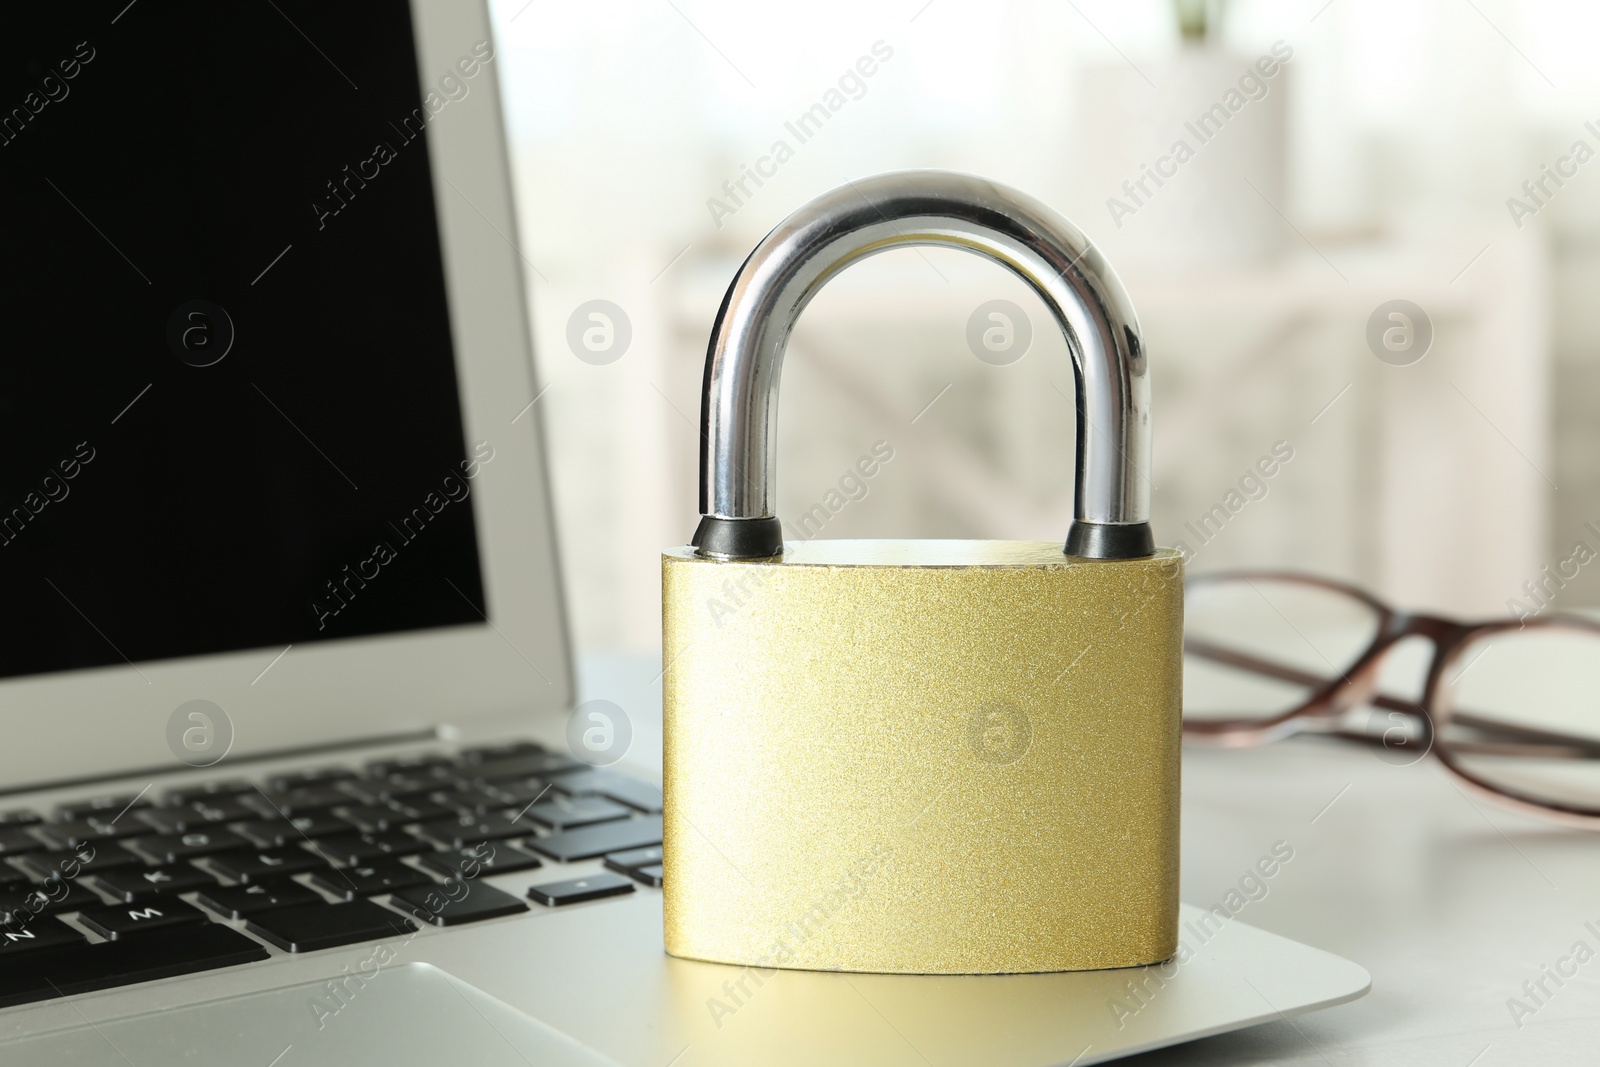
point(412, 1013)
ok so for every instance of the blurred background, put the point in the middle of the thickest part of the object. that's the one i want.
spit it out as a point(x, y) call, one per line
point(1369, 269)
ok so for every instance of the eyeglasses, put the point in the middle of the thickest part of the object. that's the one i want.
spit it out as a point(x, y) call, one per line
point(1511, 707)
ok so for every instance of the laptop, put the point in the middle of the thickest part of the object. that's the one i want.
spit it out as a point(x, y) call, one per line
point(294, 770)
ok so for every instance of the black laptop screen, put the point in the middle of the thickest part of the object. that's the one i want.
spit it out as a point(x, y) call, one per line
point(229, 415)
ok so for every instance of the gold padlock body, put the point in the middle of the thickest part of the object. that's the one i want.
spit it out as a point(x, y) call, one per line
point(922, 757)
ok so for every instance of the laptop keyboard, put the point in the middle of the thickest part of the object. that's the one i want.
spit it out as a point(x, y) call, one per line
point(113, 890)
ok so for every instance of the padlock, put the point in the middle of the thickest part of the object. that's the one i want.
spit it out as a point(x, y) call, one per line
point(925, 757)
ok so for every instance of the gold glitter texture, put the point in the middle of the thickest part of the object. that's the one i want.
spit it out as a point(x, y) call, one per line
point(928, 757)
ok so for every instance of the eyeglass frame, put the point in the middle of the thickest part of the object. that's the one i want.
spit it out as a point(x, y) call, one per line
point(1357, 686)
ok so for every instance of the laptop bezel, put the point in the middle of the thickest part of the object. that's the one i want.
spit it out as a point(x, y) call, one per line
point(516, 668)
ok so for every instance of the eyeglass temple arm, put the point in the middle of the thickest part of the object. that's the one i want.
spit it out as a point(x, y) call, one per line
point(1587, 747)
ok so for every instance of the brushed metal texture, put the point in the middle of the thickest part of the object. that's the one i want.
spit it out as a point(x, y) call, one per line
point(928, 757)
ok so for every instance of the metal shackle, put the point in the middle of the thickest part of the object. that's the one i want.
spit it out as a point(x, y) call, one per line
point(739, 405)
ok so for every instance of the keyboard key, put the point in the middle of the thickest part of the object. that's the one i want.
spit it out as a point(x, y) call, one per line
point(407, 765)
point(75, 967)
point(470, 829)
point(170, 848)
point(41, 932)
point(634, 857)
point(421, 809)
point(239, 901)
point(369, 880)
point(401, 787)
point(172, 820)
point(15, 839)
point(90, 859)
point(471, 800)
point(643, 865)
point(11, 878)
point(371, 817)
point(320, 926)
point(540, 765)
point(486, 858)
point(591, 841)
point(18, 817)
point(110, 807)
point(507, 750)
point(56, 895)
point(253, 866)
point(206, 791)
point(224, 809)
point(641, 796)
point(276, 833)
point(567, 813)
point(356, 849)
point(89, 831)
point(307, 801)
point(361, 791)
point(129, 884)
point(577, 890)
point(284, 783)
point(433, 904)
point(115, 921)
point(365, 792)
point(519, 794)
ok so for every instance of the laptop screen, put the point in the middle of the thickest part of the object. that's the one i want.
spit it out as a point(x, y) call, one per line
point(228, 404)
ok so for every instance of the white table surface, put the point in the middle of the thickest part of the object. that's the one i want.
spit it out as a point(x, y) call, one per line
point(1450, 902)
